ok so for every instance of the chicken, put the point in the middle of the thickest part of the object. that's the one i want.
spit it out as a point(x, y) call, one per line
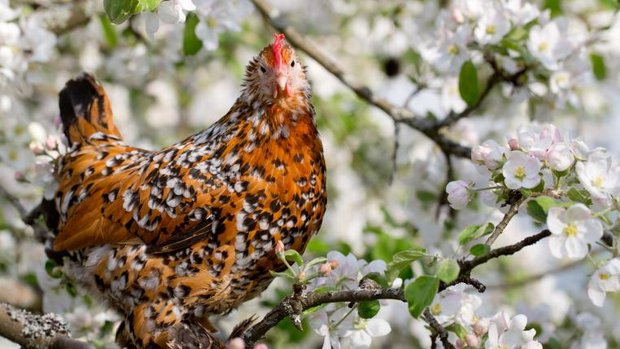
point(170, 237)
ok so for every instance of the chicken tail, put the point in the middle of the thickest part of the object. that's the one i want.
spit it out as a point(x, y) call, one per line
point(85, 109)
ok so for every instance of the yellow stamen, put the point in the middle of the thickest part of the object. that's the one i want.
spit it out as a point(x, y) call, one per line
point(520, 172)
point(570, 230)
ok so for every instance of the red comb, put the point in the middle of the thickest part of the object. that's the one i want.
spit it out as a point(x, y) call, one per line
point(278, 40)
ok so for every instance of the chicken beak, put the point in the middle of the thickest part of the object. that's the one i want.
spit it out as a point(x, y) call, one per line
point(281, 80)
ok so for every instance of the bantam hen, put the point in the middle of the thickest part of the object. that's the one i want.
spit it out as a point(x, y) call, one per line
point(170, 237)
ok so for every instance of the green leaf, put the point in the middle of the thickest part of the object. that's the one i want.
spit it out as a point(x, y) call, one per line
point(479, 250)
point(420, 294)
point(368, 309)
point(468, 83)
point(536, 211)
point(474, 232)
point(52, 269)
point(293, 256)
point(402, 260)
point(426, 196)
point(546, 203)
point(109, 32)
point(120, 10)
point(554, 6)
point(448, 270)
point(457, 329)
point(191, 43)
point(599, 69)
point(287, 274)
point(148, 5)
point(318, 260)
point(578, 195)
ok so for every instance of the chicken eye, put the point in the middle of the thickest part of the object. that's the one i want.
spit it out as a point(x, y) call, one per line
point(262, 69)
point(292, 63)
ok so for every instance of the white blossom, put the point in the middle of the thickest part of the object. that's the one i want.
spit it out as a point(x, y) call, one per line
point(548, 44)
point(521, 170)
point(572, 230)
point(599, 177)
point(560, 157)
point(520, 12)
point(506, 333)
point(491, 27)
point(458, 194)
point(218, 16)
point(605, 279)
point(537, 139)
point(455, 305)
point(489, 153)
point(365, 329)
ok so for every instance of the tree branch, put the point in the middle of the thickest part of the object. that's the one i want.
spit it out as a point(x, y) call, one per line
point(517, 200)
point(437, 330)
point(313, 299)
point(36, 331)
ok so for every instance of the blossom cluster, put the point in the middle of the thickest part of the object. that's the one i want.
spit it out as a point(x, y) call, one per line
point(336, 322)
point(516, 37)
point(215, 17)
point(571, 188)
point(457, 309)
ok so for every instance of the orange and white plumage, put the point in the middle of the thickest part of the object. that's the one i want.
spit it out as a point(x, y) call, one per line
point(172, 236)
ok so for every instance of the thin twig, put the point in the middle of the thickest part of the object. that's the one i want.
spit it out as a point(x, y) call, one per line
point(535, 277)
point(437, 330)
point(501, 226)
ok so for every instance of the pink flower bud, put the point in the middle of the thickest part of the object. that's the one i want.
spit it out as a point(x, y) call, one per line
point(481, 327)
point(325, 269)
point(513, 143)
point(459, 344)
point(334, 263)
point(37, 148)
point(51, 143)
point(261, 346)
point(235, 343)
point(458, 194)
point(279, 247)
point(19, 176)
point(472, 340)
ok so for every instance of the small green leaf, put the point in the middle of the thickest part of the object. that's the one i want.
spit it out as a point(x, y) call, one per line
point(474, 232)
point(191, 43)
point(479, 250)
point(148, 5)
point(420, 294)
point(318, 260)
point(535, 210)
point(426, 196)
point(578, 195)
point(402, 260)
point(120, 10)
point(546, 203)
point(52, 269)
point(599, 69)
point(468, 83)
point(448, 270)
point(109, 32)
point(293, 256)
point(457, 329)
point(287, 274)
point(554, 7)
point(368, 309)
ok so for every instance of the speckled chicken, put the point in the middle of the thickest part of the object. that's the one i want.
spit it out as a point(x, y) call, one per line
point(170, 237)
